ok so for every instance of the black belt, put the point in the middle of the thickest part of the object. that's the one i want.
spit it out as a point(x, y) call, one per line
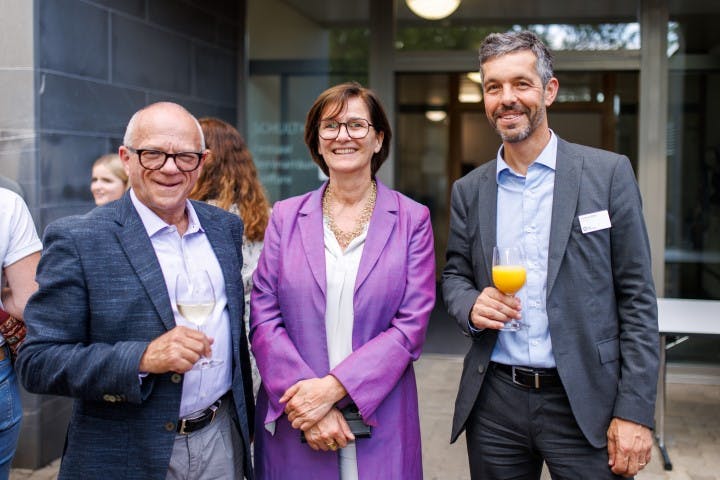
point(535, 378)
point(205, 418)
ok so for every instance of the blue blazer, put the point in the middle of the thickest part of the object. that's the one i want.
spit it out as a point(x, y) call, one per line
point(102, 300)
point(601, 304)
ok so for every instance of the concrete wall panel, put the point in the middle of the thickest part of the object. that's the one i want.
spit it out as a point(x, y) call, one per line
point(86, 106)
point(73, 38)
point(151, 58)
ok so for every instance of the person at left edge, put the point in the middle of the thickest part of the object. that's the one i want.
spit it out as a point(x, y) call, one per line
point(104, 329)
point(19, 252)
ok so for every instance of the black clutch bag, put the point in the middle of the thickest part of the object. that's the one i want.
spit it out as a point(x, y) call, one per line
point(352, 416)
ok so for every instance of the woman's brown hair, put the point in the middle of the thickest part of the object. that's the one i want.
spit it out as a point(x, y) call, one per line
point(229, 177)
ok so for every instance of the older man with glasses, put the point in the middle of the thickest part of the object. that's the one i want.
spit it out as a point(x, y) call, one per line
point(105, 327)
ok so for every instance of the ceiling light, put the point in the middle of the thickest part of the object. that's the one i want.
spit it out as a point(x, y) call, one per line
point(436, 115)
point(475, 77)
point(469, 91)
point(432, 9)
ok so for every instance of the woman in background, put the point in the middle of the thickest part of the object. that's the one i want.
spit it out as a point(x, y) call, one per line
point(109, 180)
point(229, 180)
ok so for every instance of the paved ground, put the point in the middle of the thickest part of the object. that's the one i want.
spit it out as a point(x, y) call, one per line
point(692, 427)
point(692, 432)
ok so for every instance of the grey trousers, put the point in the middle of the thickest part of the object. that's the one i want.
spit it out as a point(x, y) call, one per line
point(212, 453)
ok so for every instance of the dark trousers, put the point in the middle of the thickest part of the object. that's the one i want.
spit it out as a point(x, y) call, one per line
point(513, 429)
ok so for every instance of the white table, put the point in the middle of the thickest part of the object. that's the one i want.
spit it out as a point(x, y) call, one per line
point(684, 317)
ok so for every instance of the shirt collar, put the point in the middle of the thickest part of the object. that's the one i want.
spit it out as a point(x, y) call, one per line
point(547, 157)
point(154, 224)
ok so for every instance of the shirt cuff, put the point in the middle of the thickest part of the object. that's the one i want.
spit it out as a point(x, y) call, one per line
point(474, 331)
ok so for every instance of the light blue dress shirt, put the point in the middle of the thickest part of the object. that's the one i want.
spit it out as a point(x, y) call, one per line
point(191, 252)
point(524, 209)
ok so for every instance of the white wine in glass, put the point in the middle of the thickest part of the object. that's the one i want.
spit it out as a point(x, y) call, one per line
point(195, 300)
point(196, 313)
point(509, 274)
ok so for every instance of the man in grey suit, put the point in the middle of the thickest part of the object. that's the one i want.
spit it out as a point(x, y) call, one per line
point(575, 385)
point(104, 327)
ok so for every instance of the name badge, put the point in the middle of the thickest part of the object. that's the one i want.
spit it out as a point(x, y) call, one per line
point(592, 222)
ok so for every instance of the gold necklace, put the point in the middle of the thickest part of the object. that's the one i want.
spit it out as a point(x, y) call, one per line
point(344, 238)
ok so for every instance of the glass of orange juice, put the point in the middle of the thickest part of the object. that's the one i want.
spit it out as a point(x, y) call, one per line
point(508, 274)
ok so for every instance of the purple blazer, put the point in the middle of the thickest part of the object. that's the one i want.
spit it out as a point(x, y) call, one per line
point(394, 294)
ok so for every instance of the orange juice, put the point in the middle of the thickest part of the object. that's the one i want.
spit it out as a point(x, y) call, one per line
point(508, 278)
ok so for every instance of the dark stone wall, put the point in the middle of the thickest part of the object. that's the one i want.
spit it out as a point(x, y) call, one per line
point(98, 61)
point(77, 72)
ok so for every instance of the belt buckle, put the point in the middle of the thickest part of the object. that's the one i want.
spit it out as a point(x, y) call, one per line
point(213, 411)
point(183, 423)
point(535, 375)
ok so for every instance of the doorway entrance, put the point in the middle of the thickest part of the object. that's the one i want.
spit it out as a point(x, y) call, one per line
point(442, 132)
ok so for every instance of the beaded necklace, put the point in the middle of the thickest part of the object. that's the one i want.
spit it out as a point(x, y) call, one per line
point(344, 238)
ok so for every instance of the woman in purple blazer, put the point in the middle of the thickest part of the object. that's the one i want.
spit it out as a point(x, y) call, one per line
point(339, 309)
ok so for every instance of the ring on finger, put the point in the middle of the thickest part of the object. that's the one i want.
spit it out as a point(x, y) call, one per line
point(332, 445)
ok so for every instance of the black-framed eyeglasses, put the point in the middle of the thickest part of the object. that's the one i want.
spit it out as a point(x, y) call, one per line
point(356, 128)
point(156, 159)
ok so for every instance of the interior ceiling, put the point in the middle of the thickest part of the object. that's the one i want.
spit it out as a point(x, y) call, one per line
point(349, 12)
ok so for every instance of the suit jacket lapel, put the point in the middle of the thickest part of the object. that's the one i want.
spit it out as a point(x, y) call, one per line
point(226, 252)
point(140, 253)
point(485, 211)
point(381, 226)
point(310, 222)
point(568, 170)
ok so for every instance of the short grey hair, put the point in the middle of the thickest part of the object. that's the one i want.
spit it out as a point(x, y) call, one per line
point(498, 44)
point(132, 124)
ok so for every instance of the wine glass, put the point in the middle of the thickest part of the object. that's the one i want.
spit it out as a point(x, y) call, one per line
point(508, 274)
point(195, 300)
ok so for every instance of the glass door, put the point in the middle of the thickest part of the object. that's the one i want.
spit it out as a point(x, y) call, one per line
point(442, 132)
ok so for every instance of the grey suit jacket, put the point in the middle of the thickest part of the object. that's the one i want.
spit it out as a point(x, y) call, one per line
point(601, 303)
point(102, 299)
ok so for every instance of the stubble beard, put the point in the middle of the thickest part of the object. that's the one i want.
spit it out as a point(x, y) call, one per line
point(515, 135)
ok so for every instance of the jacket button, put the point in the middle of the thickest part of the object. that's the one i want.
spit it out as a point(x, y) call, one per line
point(481, 369)
point(170, 426)
point(176, 378)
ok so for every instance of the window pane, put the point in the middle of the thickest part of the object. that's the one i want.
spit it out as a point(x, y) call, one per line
point(692, 257)
point(287, 73)
point(693, 193)
point(422, 137)
point(603, 36)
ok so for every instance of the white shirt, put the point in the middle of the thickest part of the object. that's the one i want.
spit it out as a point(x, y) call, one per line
point(341, 270)
point(191, 252)
point(18, 237)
